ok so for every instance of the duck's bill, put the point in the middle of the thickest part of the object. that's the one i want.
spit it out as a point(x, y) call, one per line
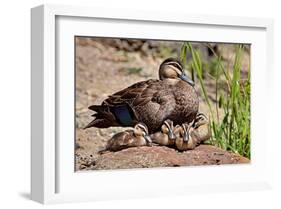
point(186, 79)
point(185, 137)
point(148, 138)
point(171, 135)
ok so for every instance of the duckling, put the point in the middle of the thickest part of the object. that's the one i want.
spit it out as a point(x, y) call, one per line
point(183, 140)
point(190, 135)
point(129, 138)
point(200, 128)
point(151, 102)
point(166, 136)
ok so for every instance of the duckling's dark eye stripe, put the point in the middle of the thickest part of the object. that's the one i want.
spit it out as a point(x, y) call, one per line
point(167, 124)
point(142, 127)
point(184, 128)
point(201, 116)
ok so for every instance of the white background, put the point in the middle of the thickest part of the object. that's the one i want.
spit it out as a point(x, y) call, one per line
point(15, 104)
point(79, 183)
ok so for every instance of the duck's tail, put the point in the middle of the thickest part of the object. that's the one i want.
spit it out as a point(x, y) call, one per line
point(108, 116)
point(103, 118)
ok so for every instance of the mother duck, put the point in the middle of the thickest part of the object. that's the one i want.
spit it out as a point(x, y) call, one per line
point(151, 102)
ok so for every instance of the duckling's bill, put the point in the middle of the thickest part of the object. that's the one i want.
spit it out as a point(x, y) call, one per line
point(148, 138)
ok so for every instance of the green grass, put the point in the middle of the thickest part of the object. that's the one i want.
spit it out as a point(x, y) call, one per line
point(232, 131)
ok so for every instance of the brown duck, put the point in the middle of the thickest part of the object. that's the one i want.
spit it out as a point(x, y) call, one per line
point(150, 102)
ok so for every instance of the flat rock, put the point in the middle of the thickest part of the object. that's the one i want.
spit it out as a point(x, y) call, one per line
point(160, 156)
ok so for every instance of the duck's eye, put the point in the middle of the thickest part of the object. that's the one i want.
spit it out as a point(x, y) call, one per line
point(176, 65)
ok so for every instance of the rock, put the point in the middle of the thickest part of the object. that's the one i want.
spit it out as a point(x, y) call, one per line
point(159, 156)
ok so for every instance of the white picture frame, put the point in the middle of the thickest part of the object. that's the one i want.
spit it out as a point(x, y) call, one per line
point(53, 178)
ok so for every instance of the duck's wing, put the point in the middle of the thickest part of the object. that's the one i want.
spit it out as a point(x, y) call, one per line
point(150, 102)
point(118, 109)
point(133, 95)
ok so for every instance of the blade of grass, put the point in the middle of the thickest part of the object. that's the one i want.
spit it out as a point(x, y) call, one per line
point(197, 65)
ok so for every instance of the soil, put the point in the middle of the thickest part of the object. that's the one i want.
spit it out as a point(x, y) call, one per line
point(106, 66)
point(159, 156)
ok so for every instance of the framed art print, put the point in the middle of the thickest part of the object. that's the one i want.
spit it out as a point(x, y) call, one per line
point(131, 104)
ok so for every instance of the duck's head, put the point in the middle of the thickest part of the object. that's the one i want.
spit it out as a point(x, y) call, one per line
point(200, 120)
point(168, 128)
point(172, 68)
point(184, 132)
point(141, 130)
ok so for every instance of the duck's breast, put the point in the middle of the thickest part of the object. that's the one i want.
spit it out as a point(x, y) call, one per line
point(159, 105)
point(187, 103)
